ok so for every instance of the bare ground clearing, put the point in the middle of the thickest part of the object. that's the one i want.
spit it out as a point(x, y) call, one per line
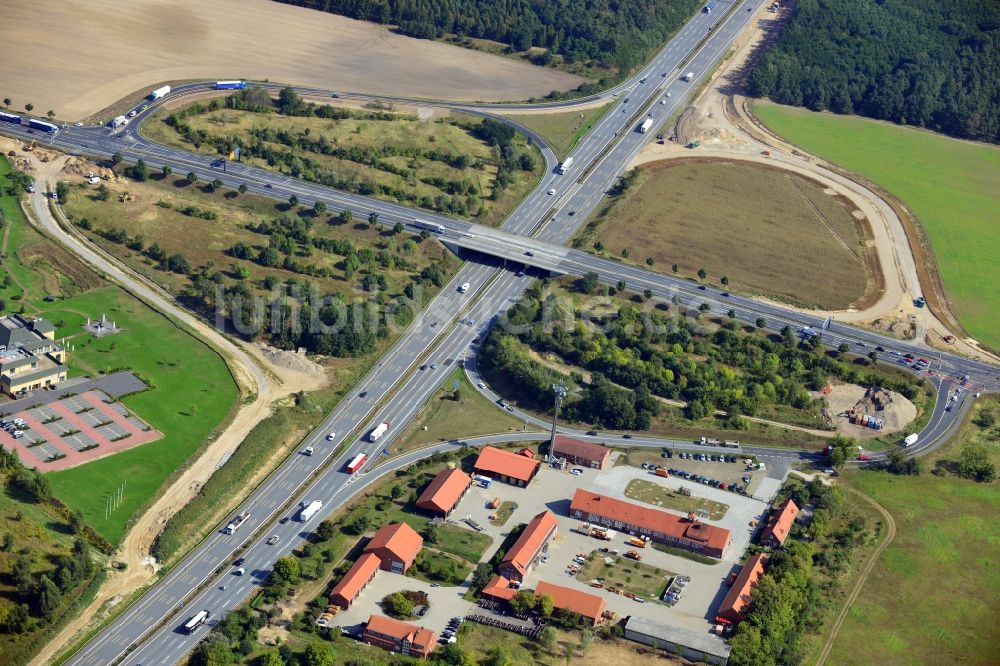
point(89, 54)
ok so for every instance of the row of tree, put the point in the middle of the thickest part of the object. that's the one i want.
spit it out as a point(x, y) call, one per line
point(928, 63)
point(606, 33)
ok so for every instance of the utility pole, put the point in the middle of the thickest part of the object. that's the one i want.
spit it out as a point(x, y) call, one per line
point(560, 394)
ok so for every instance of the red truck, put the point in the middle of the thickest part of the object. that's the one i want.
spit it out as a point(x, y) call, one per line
point(356, 463)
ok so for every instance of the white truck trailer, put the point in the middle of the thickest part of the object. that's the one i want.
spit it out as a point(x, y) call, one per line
point(310, 510)
point(378, 431)
point(159, 93)
point(646, 125)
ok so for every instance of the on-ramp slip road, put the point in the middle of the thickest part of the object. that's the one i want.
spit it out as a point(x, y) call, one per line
point(148, 632)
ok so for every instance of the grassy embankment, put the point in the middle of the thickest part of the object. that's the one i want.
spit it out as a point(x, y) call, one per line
point(427, 180)
point(562, 130)
point(796, 243)
point(950, 187)
point(191, 388)
point(938, 578)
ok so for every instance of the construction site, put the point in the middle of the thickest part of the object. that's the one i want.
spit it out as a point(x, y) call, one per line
point(866, 412)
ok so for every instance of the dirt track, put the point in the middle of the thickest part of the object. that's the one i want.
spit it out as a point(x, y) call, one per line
point(77, 57)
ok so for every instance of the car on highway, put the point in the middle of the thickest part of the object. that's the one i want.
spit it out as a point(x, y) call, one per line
point(663, 101)
point(273, 539)
point(626, 436)
point(481, 385)
point(529, 253)
point(239, 561)
point(331, 436)
point(434, 366)
point(283, 520)
point(880, 348)
point(724, 294)
point(572, 213)
point(552, 191)
point(363, 394)
point(591, 433)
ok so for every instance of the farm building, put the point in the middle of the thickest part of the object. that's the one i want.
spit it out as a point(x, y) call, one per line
point(508, 467)
point(688, 533)
point(499, 589)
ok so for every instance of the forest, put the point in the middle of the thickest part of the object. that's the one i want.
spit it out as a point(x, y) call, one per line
point(638, 354)
point(610, 34)
point(928, 63)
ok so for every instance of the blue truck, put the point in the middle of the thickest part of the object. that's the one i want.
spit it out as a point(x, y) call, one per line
point(230, 85)
point(42, 125)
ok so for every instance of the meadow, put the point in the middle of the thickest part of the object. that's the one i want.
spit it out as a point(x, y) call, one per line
point(562, 130)
point(950, 187)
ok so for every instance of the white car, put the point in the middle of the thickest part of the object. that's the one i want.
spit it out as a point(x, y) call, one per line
point(663, 101)
point(482, 385)
point(576, 471)
point(552, 191)
point(331, 436)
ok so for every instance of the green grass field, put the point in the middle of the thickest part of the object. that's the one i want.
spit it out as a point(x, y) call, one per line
point(562, 130)
point(654, 493)
point(191, 388)
point(938, 579)
point(950, 186)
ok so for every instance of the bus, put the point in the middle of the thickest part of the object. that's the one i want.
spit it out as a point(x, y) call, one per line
point(201, 618)
point(429, 226)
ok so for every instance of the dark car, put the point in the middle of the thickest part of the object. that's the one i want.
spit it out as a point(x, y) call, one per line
point(725, 294)
point(702, 287)
point(626, 436)
point(880, 348)
point(572, 213)
point(592, 433)
point(529, 253)
point(238, 561)
point(363, 394)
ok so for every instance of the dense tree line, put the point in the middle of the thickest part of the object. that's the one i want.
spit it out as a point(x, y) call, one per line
point(608, 33)
point(928, 63)
point(656, 354)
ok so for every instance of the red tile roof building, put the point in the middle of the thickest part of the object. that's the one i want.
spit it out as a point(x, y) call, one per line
point(499, 589)
point(687, 533)
point(780, 523)
point(354, 581)
point(445, 492)
point(396, 636)
point(578, 452)
point(588, 606)
point(397, 545)
point(533, 540)
point(736, 601)
point(506, 466)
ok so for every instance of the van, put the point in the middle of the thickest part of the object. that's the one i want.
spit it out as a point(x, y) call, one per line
point(464, 288)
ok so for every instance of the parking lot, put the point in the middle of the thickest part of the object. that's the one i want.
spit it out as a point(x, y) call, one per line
point(73, 429)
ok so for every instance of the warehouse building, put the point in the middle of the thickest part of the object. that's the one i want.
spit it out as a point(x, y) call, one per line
point(693, 646)
point(529, 546)
point(444, 493)
point(735, 604)
point(506, 466)
point(397, 546)
point(688, 533)
point(577, 452)
point(355, 581)
point(588, 606)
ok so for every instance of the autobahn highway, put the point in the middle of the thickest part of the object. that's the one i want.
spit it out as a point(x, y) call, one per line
point(147, 632)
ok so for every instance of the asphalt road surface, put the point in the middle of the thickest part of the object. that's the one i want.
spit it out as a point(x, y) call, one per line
point(148, 632)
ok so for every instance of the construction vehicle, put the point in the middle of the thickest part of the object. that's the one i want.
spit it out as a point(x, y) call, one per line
point(633, 555)
point(637, 542)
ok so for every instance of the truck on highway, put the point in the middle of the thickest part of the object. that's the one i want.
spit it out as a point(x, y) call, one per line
point(120, 121)
point(910, 440)
point(235, 523)
point(645, 126)
point(356, 463)
point(429, 226)
point(230, 85)
point(378, 431)
point(707, 9)
point(565, 165)
point(42, 125)
point(10, 118)
point(159, 93)
point(310, 510)
point(196, 621)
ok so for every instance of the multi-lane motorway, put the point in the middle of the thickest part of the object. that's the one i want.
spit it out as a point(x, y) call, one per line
point(148, 632)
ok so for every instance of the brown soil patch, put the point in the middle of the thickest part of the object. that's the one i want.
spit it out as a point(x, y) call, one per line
point(93, 54)
point(897, 412)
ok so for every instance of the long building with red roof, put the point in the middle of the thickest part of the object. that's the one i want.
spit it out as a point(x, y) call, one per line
point(578, 452)
point(779, 524)
point(354, 581)
point(533, 540)
point(735, 603)
point(588, 606)
point(444, 493)
point(687, 533)
point(509, 467)
point(396, 545)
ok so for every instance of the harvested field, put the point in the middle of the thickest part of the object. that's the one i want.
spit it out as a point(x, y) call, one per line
point(79, 57)
point(769, 232)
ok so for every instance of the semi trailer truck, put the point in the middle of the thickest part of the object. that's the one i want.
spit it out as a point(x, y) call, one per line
point(378, 431)
point(230, 85)
point(310, 510)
